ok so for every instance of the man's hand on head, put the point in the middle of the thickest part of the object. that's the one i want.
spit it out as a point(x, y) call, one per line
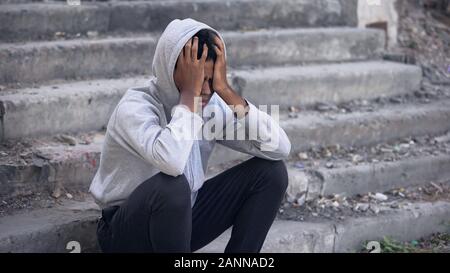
point(189, 73)
point(220, 82)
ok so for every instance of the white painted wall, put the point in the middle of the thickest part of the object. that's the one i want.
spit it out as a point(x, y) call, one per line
point(372, 11)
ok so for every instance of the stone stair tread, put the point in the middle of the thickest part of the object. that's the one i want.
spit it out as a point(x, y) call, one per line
point(419, 219)
point(304, 118)
point(49, 228)
point(155, 15)
point(133, 53)
point(47, 161)
point(99, 97)
point(146, 36)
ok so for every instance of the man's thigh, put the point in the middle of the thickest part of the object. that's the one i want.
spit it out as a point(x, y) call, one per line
point(129, 225)
point(220, 199)
point(134, 221)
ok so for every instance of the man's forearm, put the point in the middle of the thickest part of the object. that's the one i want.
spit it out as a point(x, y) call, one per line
point(235, 101)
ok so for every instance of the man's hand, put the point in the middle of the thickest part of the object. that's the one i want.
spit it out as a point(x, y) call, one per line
point(189, 73)
point(220, 82)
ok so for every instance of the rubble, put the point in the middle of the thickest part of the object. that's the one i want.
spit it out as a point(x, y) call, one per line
point(425, 34)
point(379, 196)
point(35, 200)
point(25, 151)
point(337, 156)
point(339, 207)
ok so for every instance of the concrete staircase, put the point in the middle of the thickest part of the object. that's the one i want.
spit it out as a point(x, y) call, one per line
point(64, 68)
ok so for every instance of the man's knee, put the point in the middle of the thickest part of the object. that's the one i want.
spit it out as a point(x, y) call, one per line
point(280, 175)
point(275, 173)
point(174, 191)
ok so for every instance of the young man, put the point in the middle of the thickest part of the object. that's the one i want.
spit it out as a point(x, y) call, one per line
point(151, 179)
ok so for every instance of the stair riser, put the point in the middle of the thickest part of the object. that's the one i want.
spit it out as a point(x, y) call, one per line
point(283, 237)
point(330, 84)
point(73, 174)
point(76, 174)
point(72, 109)
point(349, 235)
point(54, 238)
point(376, 177)
point(304, 134)
point(406, 226)
point(287, 237)
point(154, 16)
point(368, 128)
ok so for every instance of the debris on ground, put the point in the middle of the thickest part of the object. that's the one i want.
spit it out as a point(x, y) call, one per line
point(38, 200)
point(28, 150)
point(424, 32)
point(336, 156)
point(338, 207)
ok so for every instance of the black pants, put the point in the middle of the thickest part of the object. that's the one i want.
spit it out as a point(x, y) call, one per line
point(157, 217)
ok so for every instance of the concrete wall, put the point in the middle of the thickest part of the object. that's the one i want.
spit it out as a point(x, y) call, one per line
point(374, 11)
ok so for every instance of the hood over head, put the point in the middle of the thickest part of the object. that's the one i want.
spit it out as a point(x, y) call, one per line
point(169, 46)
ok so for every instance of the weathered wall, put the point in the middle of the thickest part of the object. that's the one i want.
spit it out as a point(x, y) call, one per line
point(374, 11)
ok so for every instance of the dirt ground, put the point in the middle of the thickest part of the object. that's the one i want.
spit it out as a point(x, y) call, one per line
point(424, 34)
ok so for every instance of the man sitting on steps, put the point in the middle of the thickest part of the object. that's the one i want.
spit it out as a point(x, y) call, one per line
point(151, 182)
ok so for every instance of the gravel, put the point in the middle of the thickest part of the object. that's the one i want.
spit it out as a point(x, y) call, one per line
point(338, 208)
point(337, 156)
point(425, 34)
point(39, 200)
point(26, 151)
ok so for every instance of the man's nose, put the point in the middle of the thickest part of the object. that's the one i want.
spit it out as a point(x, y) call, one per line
point(206, 90)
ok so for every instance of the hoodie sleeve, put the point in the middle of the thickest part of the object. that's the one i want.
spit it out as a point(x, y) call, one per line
point(138, 127)
point(264, 137)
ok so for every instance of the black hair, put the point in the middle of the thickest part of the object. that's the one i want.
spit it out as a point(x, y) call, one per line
point(206, 36)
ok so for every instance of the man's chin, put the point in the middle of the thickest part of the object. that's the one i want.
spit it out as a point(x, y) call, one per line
point(204, 103)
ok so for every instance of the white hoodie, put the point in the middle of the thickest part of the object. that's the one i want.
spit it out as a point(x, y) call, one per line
point(143, 138)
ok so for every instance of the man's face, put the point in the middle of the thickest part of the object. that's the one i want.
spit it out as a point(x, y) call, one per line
point(207, 90)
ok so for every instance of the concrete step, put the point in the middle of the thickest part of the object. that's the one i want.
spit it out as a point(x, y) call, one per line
point(369, 177)
point(367, 128)
point(48, 165)
point(114, 56)
point(51, 229)
point(19, 22)
point(378, 169)
point(421, 219)
point(87, 105)
point(330, 83)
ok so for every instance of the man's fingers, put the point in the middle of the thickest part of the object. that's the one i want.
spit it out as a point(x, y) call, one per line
point(187, 50)
point(204, 54)
point(217, 50)
point(218, 42)
point(194, 49)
